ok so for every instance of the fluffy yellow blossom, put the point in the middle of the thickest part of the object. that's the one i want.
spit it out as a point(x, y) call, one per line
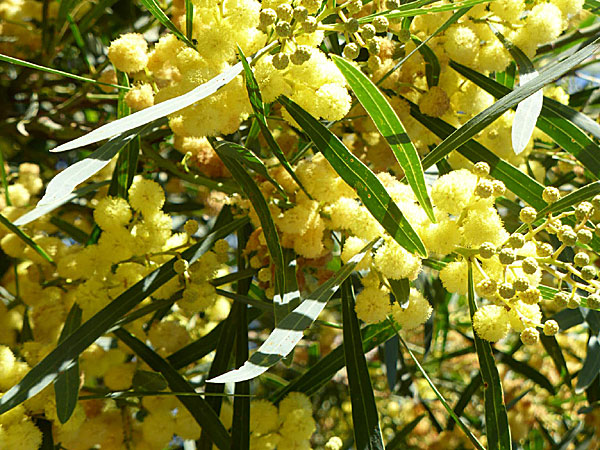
point(112, 213)
point(434, 102)
point(146, 196)
point(23, 436)
point(129, 53)
point(491, 322)
point(394, 262)
point(416, 313)
point(462, 44)
point(454, 277)
point(353, 246)
point(483, 225)
point(453, 191)
point(373, 304)
point(264, 417)
point(141, 96)
point(522, 315)
point(441, 237)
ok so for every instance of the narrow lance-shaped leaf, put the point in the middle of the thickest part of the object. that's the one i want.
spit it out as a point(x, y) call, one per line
point(66, 386)
point(64, 355)
point(259, 110)
point(367, 432)
point(486, 117)
point(39, 211)
point(496, 419)
point(529, 109)
point(389, 125)
point(261, 207)
point(204, 415)
point(290, 330)
point(155, 112)
point(555, 120)
point(63, 184)
point(357, 175)
point(160, 15)
point(591, 365)
point(25, 238)
point(432, 64)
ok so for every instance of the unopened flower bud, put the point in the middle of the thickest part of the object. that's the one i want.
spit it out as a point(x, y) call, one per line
point(309, 25)
point(190, 227)
point(507, 256)
point(351, 26)
point(551, 194)
point(381, 24)
point(506, 291)
point(588, 273)
point(355, 7)
point(267, 17)
point(285, 12)
point(521, 284)
point(530, 336)
point(392, 4)
point(281, 61)
point(351, 51)
point(368, 32)
point(574, 301)
point(180, 266)
point(581, 259)
point(264, 275)
point(584, 236)
point(373, 46)
point(596, 202)
point(484, 189)
point(531, 296)
point(567, 235)
point(481, 169)
point(486, 288)
point(499, 188)
point(544, 250)
point(527, 214)
point(516, 240)
point(300, 13)
point(529, 265)
point(403, 35)
point(551, 328)
point(283, 29)
point(311, 5)
point(593, 301)
point(561, 299)
point(301, 55)
point(583, 211)
point(487, 250)
point(221, 246)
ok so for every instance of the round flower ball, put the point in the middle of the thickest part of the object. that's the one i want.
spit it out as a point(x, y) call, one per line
point(491, 322)
point(129, 53)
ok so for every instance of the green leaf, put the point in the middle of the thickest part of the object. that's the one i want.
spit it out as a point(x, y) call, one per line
point(145, 380)
point(189, 19)
point(438, 394)
point(26, 239)
point(432, 65)
point(65, 354)
point(158, 13)
point(254, 194)
point(66, 386)
point(496, 419)
point(465, 398)
point(240, 428)
point(203, 346)
point(325, 369)
point(204, 415)
point(290, 330)
point(367, 432)
point(4, 180)
point(400, 290)
point(29, 65)
point(259, 111)
point(158, 111)
point(486, 117)
point(389, 125)
point(412, 9)
point(555, 121)
point(249, 160)
point(529, 109)
point(591, 365)
point(515, 180)
point(553, 349)
point(69, 229)
point(368, 187)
